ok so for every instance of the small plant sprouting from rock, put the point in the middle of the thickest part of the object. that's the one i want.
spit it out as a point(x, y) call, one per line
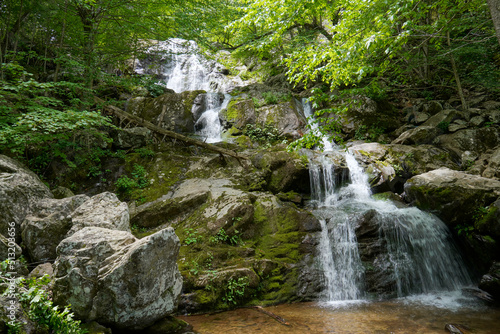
point(125, 184)
point(145, 153)
point(192, 236)
point(444, 126)
point(235, 290)
point(223, 237)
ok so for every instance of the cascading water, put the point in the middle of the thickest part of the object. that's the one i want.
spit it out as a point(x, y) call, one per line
point(185, 69)
point(418, 255)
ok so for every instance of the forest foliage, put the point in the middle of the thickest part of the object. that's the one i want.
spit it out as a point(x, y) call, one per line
point(55, 55)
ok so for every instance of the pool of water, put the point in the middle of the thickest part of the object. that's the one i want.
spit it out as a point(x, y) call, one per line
point(421, 314)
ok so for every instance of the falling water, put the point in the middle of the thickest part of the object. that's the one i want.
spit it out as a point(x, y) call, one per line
point(421, 257)
point(184, 68)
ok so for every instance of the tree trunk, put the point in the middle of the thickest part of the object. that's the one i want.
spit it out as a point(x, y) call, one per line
point(494, 6)
point(455, 73)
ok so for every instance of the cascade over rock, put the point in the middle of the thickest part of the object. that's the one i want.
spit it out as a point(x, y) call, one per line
point(111, 277)
point(20, 189)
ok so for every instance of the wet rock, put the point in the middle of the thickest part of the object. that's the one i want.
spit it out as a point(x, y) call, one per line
point(20, 189)
point(452, 195)
point(453, 329)
point(111, 277)
point(491, 281)
point(48, 225)
point(284, 171)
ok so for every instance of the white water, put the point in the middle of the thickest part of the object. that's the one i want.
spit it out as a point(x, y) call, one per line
point(421, 257)
point(186, 69)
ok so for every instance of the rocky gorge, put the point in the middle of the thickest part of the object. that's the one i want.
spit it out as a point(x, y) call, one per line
point(194, 231)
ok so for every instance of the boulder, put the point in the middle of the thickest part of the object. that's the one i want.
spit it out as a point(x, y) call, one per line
point(491, 281)
point(421, 135)
point(62, 192)
point(172, 111)
point(453, 196)
point(102, 210)
point(48, 225)
point(6, 247)
point(238, 113)
point(174, 206)
point(284, 117)
point(42, 270)
point(444, 116)
point(492, 169)
point(111, 277)
point(285, 171)
point(473, 140)
point(20, 189)
point(130, 138)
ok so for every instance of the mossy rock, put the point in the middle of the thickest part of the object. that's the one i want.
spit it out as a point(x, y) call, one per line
point(238, 114)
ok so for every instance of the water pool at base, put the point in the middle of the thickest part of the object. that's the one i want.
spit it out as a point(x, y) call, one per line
point(415, 315)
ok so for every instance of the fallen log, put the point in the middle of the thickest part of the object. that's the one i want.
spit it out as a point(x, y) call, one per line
point(123, 115)
point(272, 315)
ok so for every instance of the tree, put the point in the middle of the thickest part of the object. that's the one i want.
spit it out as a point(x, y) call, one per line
point(494, 6)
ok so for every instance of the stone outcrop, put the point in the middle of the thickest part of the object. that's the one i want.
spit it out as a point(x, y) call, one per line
point(283, 116)
point(54, 220)
point(172, 111)
point(111, 277)
point(20, 189)
point(238, 114)
point(491, 281)
point(453, 196)
point(49, 225)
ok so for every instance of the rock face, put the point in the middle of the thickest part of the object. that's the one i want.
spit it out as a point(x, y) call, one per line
point(476, 141)
point(111, 277)
point(20, 189)
point(131, 138)
point(283, 116)
point(171, 111)
point(54, 220)
point(491, 281)
point(42, 232)
point(238, 114)
point(452, 195)
point(102, 210)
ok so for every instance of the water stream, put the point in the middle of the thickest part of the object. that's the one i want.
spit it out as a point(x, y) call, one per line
point(415, 253)
point(184, 68)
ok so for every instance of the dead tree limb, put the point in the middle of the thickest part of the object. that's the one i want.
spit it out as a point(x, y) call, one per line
point(123, 115)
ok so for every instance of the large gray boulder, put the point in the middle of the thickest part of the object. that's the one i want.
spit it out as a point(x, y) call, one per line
point(454, 196)
point(117, 280)
point(53, 220)
point(238, 113)
point(48, 225)
point(20, 189)
point(491, 281)
point(102, 210)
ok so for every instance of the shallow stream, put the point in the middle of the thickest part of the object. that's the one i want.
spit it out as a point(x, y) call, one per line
point(416, 315)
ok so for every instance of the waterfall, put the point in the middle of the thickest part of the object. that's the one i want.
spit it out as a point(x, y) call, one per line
point(184, 68)
point(416, 256)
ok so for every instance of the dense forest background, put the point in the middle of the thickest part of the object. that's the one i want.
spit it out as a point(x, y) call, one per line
point(56, 56)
